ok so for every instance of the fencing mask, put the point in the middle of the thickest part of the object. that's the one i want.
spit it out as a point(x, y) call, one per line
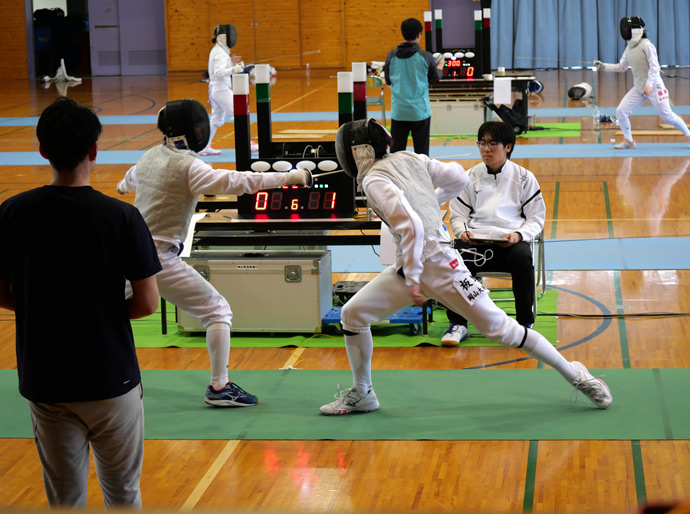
point(580, 91)
point(535, 86)
point(226, 35)
point(628, 23)
point(359, 143)
point(185, 124)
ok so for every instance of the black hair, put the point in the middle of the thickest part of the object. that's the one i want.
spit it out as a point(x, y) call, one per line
point(499, 131)
point(411, 28)
point(66, 132)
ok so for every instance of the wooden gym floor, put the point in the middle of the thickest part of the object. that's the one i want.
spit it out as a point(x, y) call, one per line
point(597, 198)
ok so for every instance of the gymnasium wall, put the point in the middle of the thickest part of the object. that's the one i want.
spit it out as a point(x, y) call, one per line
point(13, 58)
point(323, 33)
point(284, 33)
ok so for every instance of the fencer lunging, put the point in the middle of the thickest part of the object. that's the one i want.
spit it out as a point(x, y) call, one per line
point(406, 190)
point(640, 55)
point(221, 66)
point(168, 180)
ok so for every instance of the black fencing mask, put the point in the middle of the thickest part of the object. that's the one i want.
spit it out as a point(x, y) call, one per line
point(185, 124)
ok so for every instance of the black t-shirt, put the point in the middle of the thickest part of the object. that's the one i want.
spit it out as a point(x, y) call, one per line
point(66, 252)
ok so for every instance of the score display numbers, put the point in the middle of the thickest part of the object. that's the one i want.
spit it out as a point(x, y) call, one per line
point(455, 68)
point(277, 200)
point(331, 197)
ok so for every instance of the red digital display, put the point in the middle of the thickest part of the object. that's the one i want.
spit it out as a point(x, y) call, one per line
point(459, 69)
point(276, 201)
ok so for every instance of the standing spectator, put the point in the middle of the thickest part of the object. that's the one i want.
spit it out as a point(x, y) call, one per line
point(72, 250)
point(409, 70)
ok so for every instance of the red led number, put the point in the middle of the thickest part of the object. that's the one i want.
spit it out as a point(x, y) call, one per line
point(261, 201)
point(294, 204)
point(329, 200)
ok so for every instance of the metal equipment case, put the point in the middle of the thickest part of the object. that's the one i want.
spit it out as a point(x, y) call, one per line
point(268, 291)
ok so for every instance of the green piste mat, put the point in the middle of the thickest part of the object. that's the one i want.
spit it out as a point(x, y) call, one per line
point(488, 404)
point(565, 129)
point(147, 332)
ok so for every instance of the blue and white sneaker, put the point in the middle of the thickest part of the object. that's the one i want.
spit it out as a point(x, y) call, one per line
point(455, 335)
point(231, 395)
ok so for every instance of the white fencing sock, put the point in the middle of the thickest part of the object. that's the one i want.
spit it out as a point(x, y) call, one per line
point(213, 133)
point(360, 348)
point(539, 347)
point(218, 345)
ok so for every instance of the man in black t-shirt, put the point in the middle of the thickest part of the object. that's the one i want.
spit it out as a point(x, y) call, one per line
point(70, 250)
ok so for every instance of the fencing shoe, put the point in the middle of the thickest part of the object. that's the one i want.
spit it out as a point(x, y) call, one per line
point(231, 395)
point(593, 388)
point(625, 146)
point(209, 151)
point(350, 400)
point(455, 335)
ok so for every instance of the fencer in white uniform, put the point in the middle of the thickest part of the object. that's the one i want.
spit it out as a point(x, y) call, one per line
point(221, 66)
point(406, 190)
point(168, 180)
point(640, 55)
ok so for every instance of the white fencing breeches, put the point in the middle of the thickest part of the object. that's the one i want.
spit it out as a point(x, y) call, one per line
point(181, 285)
point(660, 101)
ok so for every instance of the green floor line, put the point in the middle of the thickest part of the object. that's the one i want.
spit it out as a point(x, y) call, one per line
point(554, 215)
point(622, 327)
point(530, 477)
point(638, 467)
point(665, 416)
point(609, 221)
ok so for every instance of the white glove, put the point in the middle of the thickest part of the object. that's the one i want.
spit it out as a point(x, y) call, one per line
point(122, 187)
point(598, 64)
point(301, 177)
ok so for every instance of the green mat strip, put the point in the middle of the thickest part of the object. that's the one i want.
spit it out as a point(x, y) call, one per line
point(147, 332)
point(485, 404)
point(563, 129)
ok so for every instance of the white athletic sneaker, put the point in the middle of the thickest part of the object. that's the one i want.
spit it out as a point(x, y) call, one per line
point(625, 146)
point(455, 335)
point(209, 151)
point(593, 388)
point(349, 400)
point(254, 147)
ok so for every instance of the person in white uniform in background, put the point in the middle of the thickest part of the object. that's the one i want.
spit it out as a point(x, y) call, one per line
point(406, 190)
point(168, 180)
point(221, 66)
point(640, 55)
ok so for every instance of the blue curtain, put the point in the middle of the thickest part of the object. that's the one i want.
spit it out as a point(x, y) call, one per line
point(568, 33)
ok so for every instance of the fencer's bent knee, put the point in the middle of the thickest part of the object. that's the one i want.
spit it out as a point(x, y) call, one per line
point(352, 319)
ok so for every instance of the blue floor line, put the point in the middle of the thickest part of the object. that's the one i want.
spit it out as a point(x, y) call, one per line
point(456, 152)
point(149, 119)
point(637, 253)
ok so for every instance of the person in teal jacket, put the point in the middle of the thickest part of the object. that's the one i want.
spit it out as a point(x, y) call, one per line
point(409, 70)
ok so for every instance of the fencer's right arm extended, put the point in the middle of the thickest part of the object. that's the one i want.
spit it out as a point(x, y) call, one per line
point(129, 182)
point(623, 65)
point(203, 179)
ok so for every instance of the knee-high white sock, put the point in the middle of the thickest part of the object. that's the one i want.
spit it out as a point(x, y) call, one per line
point(539, 347)
point(213, 133)
point(218, 345)
point(359, 349)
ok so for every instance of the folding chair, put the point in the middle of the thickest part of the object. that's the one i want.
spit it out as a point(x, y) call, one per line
point(538, 261)
point(376, 82)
